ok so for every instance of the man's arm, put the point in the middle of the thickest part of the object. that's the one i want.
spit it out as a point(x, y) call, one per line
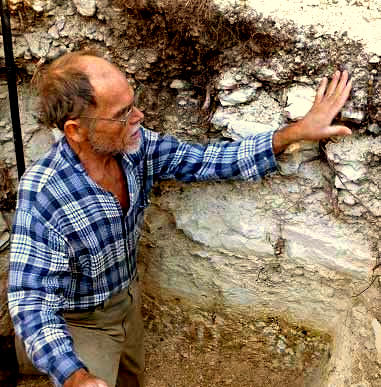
point(38, 271)
point(253, 157)
point(316, 125)
point(168, 158)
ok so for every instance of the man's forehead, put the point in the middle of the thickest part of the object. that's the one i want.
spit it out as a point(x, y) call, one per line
point(103, 75)
point(98, 67)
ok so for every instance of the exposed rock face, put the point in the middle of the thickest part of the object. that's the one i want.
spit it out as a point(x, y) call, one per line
point(300, 246)
point(85, 7)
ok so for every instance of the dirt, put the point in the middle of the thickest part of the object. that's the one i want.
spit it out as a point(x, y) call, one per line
point(190, 351)
point(176, 363)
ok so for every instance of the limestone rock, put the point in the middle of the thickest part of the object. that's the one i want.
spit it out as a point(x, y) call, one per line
point(237, 97)
point(37, 5)
point(39, 144)
point(38, 43)
point(252, 260)
point(375, 59)
point(374, 128)
point(355, 354)
point(55, 30)
point(179, 84)
point(275, 70)
point(86, 7)
point(40, 5)
point(356, 161)
point(233, 78)
point(261, 115)
point(299, 101)
point(15, 4)
point(297, 155)
point(375, 105)
point(377, 333)
point(351, 114)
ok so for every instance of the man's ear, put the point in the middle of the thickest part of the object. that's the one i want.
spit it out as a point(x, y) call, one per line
point(74, 131)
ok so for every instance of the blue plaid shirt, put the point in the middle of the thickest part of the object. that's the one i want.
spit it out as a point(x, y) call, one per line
point(72, 246)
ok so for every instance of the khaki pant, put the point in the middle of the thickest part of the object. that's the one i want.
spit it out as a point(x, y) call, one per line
point(109, 340)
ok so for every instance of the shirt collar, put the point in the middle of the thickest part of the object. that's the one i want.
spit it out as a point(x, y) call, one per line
point(70, 155)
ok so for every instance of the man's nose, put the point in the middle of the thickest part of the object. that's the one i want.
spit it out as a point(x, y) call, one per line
point(137, 115)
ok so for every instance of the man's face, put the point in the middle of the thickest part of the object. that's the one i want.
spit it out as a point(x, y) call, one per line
point(114, 99)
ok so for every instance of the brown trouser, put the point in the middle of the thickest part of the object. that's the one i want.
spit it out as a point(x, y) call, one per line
point(109, 340)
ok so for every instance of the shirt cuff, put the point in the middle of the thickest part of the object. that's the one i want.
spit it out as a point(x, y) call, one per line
point(63, 366)
point(256, 154)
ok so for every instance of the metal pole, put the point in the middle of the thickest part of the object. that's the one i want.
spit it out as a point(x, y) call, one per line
point(12, 87)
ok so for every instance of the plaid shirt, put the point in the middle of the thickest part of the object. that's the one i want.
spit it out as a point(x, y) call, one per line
point(72, 246)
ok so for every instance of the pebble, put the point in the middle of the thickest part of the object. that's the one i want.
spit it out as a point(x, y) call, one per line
point(375, 59)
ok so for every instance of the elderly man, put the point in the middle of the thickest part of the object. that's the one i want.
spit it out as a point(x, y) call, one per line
point(73, 284)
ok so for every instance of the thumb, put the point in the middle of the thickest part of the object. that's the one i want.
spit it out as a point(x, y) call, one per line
point(337, 130)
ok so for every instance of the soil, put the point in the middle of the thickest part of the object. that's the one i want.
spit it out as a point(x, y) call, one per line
point(176, 363)
point(176, 355)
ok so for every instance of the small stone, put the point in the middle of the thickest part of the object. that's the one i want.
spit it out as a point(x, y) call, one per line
point(377, 333)
point(85, 7)
point(348, 199)
point(375, 59)
point(281, 346)
point(299, 101)
point(151, 57)
point(262, 115)
point(182, 102)
point(374, 128)
point(230, 80)
point(237, 97)
point(27, 54)
point(39, 5)
point(227, 83)
point(179, 84)
point(298, 59)
point(267, 74)
point(351, 114)
point(55, 52)
point(53, 32)
point(39, 43)
point(14, 4)
point(60, 24)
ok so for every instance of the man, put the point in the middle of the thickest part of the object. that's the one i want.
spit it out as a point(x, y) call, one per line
point(73, 285)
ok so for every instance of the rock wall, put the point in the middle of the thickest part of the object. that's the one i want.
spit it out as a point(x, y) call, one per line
point(291, 262)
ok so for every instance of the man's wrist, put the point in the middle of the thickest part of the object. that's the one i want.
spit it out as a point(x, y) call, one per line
point(76, 377)
point(286, 136)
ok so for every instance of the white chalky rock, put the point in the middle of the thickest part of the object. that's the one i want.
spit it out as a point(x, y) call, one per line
point(299, 101)
point(262, 115)
point(231, 79)
point(354, 115)
point(237, 96)
point(377, 333)
point(374, 59)
point(227, 82)
point(179, 84)
point(85, 7)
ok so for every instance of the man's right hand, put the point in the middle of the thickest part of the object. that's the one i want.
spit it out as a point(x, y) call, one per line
point(82, 378)
point(316, 125)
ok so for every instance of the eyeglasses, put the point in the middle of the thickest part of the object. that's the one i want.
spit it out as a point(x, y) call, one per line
point(124, 121)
